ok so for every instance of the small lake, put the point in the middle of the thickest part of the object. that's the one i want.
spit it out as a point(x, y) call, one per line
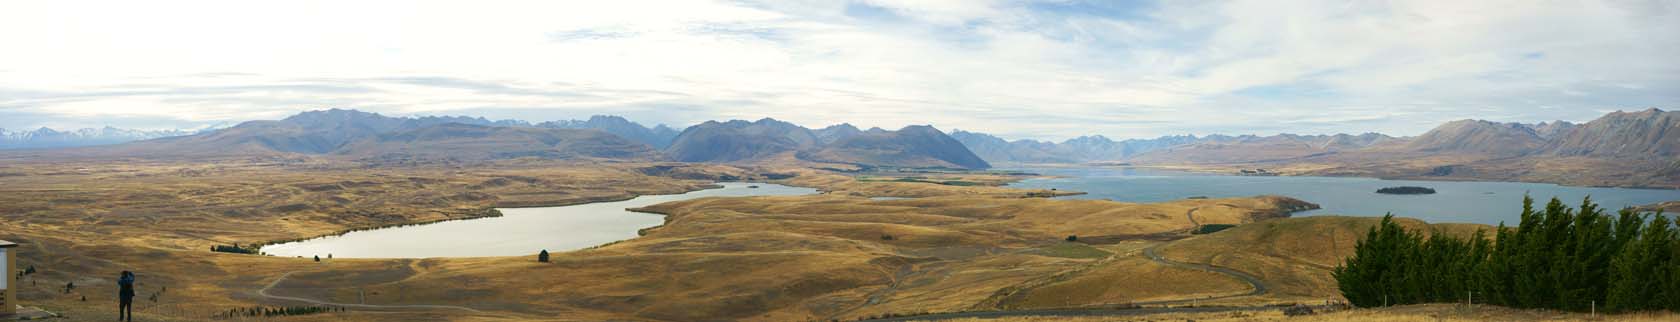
point(1462, 202)
point(519, 231)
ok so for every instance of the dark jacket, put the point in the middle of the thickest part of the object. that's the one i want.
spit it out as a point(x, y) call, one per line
point(126, 286)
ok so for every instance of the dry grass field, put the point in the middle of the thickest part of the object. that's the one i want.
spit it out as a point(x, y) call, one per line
point(835, 255)
point(1293, 256)
point(1409, 313)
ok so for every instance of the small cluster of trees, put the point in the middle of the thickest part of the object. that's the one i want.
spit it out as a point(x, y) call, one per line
point(233, 249)
point(1211, 228)
point(1557, 258)
point(267, 311)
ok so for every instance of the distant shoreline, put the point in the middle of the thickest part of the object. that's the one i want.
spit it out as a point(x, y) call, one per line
point(1220, 170)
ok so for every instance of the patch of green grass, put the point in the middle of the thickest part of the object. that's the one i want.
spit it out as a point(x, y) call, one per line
point(1072, 250)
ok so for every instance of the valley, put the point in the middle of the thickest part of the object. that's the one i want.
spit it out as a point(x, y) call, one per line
point(901, 223)
point(838, 254)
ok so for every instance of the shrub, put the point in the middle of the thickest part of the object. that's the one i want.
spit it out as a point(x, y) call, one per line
point(1073, 238)
point(233, 249)
point(542, 257)
point(1211, 228)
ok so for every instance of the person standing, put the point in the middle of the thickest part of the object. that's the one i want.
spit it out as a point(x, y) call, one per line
point(125, 296)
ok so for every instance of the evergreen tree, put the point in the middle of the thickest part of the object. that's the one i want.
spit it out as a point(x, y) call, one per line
point(543, 256)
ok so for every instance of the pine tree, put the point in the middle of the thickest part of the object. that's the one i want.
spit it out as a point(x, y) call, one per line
point(543, 256)
point(1631, 287)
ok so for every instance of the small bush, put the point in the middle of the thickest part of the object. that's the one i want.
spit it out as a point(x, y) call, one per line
point(543, 256)
point(233, 249)
point(1073, 238)
point(1298, 310)
point(266, 311)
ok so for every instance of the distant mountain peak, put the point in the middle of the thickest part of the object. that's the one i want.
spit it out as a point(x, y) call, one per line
point(658, 136)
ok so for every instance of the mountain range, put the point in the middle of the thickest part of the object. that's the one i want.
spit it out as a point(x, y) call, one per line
point(737, 140)
point(1097, 148)
point(376, 138)
point(1613, 149)
point(50, 138)
point(1630, 149)
point(1647, 134)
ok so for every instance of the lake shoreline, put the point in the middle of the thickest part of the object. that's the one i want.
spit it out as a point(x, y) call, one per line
point(1479, 202)
point(555, 228)
point(1223, 170)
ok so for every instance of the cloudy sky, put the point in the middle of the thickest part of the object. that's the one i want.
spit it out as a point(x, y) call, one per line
point(1022, 69)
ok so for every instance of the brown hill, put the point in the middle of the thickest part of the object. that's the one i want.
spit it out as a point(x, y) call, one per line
point(1644, 134)
point(918, 146)
point(457, 141)
point(1478, 137)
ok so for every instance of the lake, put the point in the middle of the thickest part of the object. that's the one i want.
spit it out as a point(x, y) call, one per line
point(519, 231)
point(1462, 202)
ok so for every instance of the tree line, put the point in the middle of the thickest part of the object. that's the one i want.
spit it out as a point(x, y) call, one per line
point(1574, 259)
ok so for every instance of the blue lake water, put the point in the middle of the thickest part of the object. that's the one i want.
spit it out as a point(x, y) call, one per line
point(1463, 202)
point(519, 231)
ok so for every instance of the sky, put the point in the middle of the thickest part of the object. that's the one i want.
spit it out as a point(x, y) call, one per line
point(1050, 70)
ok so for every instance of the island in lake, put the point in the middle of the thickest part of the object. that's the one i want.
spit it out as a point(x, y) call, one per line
point(1406, 190)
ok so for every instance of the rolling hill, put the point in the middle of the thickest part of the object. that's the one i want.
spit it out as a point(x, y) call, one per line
point(917, 146)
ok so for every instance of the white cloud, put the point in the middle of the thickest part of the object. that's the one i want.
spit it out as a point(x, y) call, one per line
point(1008, 67)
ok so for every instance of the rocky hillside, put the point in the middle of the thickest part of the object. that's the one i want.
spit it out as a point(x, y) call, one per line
point(1650, 133)
point(1477, 136)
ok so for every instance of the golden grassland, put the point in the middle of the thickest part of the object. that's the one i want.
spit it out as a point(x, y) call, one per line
point(837, 255)
point(773, 258)
point(1293, 256)
point(1408, 313)
point(80, 222)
